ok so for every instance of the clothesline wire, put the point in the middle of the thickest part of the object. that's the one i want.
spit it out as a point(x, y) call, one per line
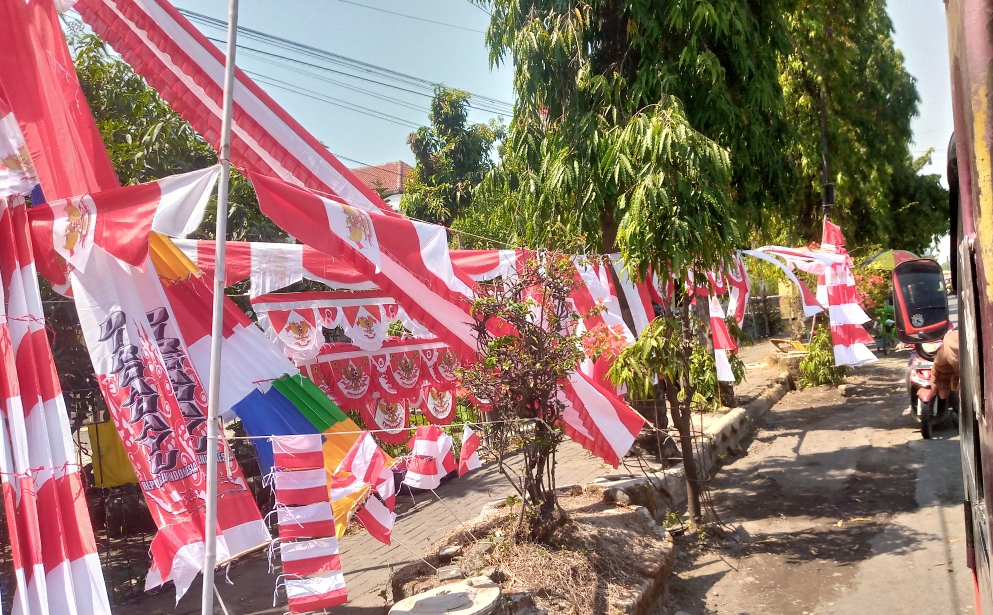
point(361, 431)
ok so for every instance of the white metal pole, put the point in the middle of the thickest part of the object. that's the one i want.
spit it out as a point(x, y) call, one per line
point(217, 325)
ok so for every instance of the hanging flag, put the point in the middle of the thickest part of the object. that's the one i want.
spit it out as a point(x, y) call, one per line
point(431, 458)
point(722, 340)
point(741, 287)
point(298, 452)
point(468, 456)
point(377, 519)
point(55, 561)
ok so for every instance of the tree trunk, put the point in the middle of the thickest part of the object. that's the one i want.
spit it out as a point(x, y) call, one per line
point(682, 416)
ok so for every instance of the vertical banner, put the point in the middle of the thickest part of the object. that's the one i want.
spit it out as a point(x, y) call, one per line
point(158, 404)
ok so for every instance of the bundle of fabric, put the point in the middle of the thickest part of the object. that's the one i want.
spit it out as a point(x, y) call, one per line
point(431, 458)
point(308, 539)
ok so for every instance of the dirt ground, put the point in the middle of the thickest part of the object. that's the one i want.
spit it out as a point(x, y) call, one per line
point(839, 506)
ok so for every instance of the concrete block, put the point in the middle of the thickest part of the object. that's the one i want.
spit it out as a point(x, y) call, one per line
point(450, 573)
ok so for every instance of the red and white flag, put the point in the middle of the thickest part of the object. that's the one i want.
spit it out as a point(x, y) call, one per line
point(468, 455)
point(55, 561)
point(317, 592)
point(723, 342)
point(306, 557)
point(377, 519)
point(309, 521)
point(431, 457)
point(298, 452)
point(741, 288)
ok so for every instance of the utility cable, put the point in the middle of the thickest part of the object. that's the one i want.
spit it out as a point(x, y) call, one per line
point(439, 23)
point(304, 49)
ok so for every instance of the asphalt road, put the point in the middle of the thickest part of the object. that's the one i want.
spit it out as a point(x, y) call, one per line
point(840, 507)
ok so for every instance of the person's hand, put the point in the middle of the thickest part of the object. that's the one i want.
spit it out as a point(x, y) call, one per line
point(945, 373)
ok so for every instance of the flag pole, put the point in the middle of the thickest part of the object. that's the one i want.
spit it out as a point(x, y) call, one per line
point(217, 324)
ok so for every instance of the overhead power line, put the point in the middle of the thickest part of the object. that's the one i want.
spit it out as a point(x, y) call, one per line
point(439, 23)
point(344, 104)
point(383, 74)
point(276, 56)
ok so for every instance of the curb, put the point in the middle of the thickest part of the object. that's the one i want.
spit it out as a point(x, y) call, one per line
point(727, 433)
point(716, 442)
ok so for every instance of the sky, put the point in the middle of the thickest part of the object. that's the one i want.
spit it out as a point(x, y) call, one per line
point(453, 54)
point(919, 32)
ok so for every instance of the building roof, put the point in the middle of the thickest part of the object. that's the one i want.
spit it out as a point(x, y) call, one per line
point(389, 176)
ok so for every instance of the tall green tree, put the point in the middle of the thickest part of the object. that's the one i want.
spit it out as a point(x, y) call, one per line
point(607, 143)
point(846, 55)
point(707, 71)
point(453, 156)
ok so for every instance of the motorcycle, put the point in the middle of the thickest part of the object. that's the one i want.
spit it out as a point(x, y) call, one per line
point(931, 410)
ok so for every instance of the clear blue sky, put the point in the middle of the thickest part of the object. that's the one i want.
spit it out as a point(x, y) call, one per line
point(457, 57)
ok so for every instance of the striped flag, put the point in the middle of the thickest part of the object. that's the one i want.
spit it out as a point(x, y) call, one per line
point(56, 565)
point(309, 548)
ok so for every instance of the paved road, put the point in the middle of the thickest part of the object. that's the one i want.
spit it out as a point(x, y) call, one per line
point(841, 508)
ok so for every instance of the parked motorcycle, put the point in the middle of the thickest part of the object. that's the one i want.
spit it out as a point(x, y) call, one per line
point(931, 410)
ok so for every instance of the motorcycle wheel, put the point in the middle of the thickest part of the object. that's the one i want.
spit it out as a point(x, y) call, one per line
point(925, 415)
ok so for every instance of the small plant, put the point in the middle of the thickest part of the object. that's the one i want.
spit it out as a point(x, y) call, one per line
point(818, 366)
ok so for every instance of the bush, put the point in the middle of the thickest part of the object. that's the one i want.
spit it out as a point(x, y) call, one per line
point(818, 366)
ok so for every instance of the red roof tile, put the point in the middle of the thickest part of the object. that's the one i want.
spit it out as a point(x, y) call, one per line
point(389, 175)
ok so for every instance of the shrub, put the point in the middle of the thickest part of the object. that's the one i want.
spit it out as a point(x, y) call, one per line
point(818, 366)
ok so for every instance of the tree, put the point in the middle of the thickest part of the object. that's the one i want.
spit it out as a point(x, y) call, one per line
point(527, 348)
point(846, 54)
point(701, 73)
point(453, 157)
point(599, 146)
